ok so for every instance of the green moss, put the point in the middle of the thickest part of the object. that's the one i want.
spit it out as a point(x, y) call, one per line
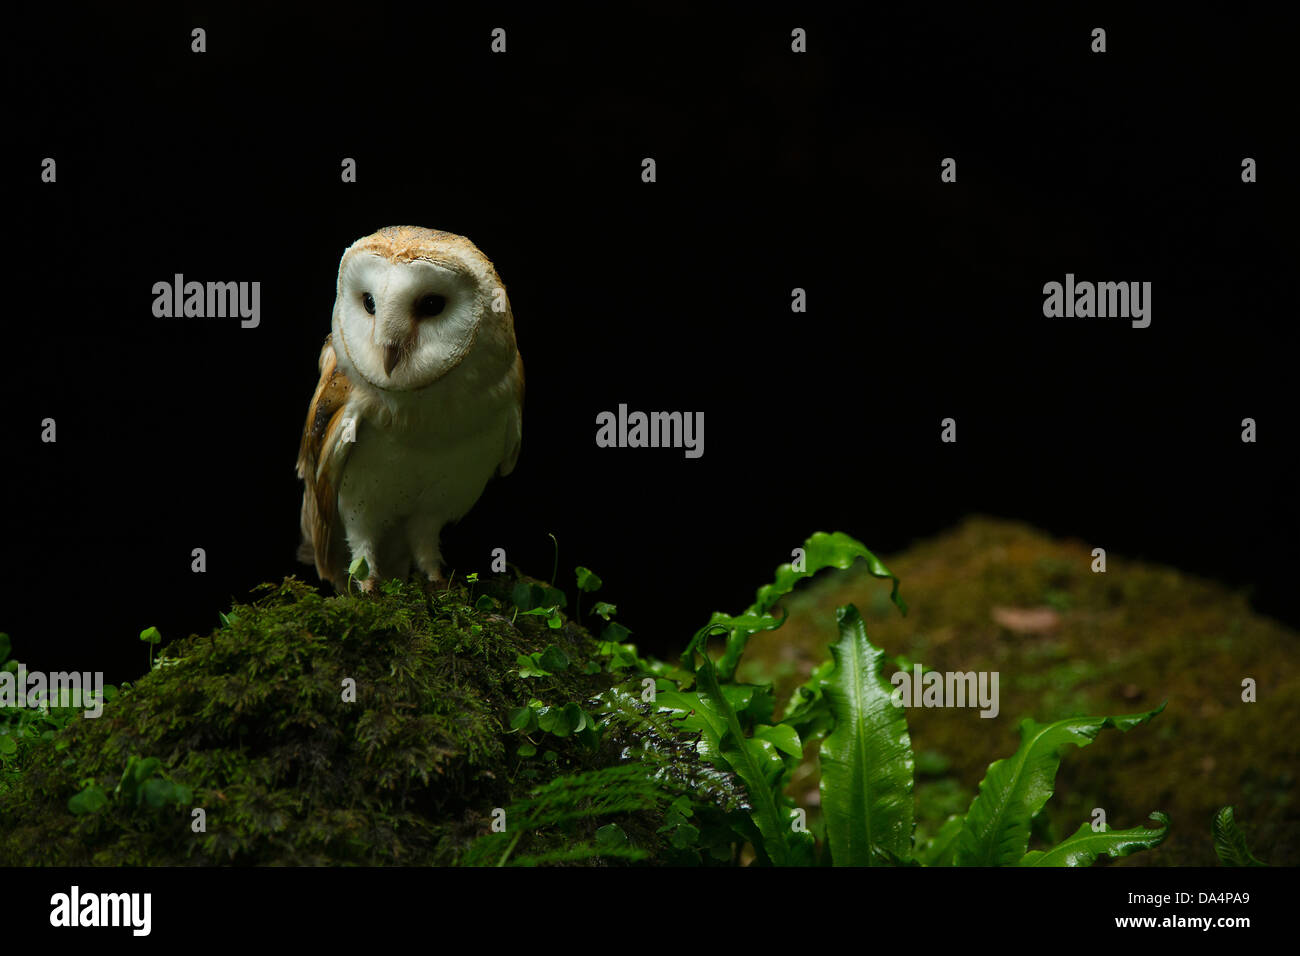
point(253, 719)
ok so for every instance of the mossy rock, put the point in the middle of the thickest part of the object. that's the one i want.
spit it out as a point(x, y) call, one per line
point(252, 721)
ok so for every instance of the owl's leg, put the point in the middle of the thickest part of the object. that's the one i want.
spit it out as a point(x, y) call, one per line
point(366, 550)
point(423, 537)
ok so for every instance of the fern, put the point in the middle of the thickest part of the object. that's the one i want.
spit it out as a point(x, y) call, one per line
point(654, 738)
point(572, 803)
point(1229, 843)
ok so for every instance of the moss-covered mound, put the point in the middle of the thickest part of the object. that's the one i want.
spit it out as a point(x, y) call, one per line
point(257, 725)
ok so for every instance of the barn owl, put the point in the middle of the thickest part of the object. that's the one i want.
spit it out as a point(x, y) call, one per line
point(419, 403)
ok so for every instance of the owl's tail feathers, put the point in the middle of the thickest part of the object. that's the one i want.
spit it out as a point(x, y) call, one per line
point(307, 516)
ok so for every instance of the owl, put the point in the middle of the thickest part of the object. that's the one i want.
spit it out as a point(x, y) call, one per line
point(420, 402)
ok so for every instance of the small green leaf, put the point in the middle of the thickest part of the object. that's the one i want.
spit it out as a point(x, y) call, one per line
point(8, 745)
point(588, 580)
point(553, 659)
point(610, 835)
point(738, 696)
point(523, 596)
point(484, 603)
point(359, 568)
point(698, 716)
point(529, 667)
point(720, 851)
point(1229, 843)
point(523, 719)
point(575, 717)
point(526, 750)
point(555, 720)
point(604, 609)
point(551, 613)
point(624, 655)
point(783, 737)
point(672, 818)
point(554, 598)
point(150, 635)
point(88, 800)
point(768, 757)
point(615, 633)
point(157, 792)
point(685, 836)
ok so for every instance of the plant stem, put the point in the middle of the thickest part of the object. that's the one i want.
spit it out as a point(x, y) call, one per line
point(510, 849)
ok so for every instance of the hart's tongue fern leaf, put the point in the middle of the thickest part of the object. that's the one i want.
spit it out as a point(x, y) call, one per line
point(996, 832)
point(866, 760)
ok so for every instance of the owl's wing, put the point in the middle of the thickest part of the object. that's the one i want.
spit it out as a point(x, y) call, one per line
point(515, 429)
point(320, 464)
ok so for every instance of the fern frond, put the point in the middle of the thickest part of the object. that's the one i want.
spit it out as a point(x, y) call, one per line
point(652, 738)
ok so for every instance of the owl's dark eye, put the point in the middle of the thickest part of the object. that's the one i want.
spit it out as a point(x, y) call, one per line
point(430, 305)
point(368, 301)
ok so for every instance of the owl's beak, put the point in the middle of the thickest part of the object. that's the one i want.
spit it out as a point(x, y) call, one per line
point(392, 355)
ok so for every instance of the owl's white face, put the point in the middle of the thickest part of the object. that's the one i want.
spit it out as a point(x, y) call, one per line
point(403, 325)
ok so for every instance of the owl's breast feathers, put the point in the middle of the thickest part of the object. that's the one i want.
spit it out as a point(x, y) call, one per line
point(320, 460)
point(326, 446)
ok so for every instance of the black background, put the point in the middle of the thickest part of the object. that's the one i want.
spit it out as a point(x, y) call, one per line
point(775, 171)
